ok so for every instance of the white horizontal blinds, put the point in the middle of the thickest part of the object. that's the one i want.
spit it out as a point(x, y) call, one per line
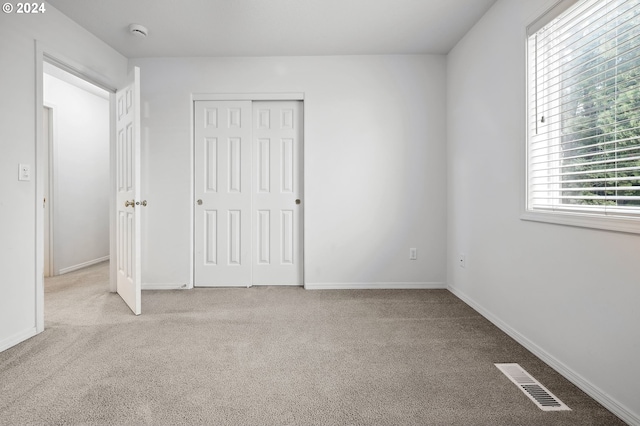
point(584, 108)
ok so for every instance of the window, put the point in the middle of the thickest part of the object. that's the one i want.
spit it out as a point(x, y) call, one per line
point(583, 149)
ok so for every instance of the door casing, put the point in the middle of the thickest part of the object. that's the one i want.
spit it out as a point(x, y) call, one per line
point(44, 53)
point(48, 153)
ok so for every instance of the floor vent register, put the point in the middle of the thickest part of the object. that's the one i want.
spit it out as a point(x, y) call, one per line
point(540, 395)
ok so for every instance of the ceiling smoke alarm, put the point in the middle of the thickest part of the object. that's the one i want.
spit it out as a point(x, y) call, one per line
point(138, 30)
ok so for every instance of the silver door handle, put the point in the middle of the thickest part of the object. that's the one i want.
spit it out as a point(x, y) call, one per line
point(199, 202)
point(142, 203)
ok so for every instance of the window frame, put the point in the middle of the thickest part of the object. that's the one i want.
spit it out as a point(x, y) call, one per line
point(601, 220)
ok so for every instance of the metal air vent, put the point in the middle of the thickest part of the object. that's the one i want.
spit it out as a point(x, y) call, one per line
point(540, 395)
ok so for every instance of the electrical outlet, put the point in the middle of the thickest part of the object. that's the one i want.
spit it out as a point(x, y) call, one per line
point(462, 260)
point(413, 254)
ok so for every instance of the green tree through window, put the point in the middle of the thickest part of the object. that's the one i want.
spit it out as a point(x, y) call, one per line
point(600, 111)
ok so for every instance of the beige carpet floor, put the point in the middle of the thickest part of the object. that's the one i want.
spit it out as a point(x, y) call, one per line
point(271, 356)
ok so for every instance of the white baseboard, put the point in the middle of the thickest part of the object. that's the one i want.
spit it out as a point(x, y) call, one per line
point(82, 265)
point(17, 338)
point(164, 286)
point(585, 385)
point(277, 285)
point(375, 286)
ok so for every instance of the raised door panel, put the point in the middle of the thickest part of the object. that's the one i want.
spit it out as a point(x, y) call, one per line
point(263, 234)
point(211, 237)
point(210, 165)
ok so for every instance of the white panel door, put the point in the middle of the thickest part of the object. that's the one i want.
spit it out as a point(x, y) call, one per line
point(128, 193)
point(277, 195)
point(223, 193)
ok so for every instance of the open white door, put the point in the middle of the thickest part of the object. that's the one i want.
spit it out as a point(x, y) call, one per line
point(128, 193)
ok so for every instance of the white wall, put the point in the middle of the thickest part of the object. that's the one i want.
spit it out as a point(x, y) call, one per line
point(570, 294)
point(374, 162)
point(17, 145)
point(80, 174)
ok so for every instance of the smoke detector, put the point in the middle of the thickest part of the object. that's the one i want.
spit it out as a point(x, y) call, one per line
point(138, 30)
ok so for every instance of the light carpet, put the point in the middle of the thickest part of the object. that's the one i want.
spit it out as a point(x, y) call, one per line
point(271, 356)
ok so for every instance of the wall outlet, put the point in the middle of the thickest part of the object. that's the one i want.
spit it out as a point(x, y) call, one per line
point(462, 260)
point(413, 254)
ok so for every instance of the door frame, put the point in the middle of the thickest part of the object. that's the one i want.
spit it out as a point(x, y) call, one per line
point(48, 189)
point(284, 96)
point(44, 53)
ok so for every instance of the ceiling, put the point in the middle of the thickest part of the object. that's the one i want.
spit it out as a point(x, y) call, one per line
point(183, 28)
point(80, 83)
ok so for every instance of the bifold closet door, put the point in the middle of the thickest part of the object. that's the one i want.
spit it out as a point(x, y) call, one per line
point(223, 193)
point(277, 193)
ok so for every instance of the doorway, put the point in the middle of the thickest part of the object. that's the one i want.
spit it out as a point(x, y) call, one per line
point(76, 172)
point(248, 193)
point(127, 88)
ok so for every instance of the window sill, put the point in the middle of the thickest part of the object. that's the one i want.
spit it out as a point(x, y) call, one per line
point(628, 225)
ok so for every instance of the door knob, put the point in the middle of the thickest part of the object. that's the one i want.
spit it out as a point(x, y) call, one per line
point(130, 203)
point(298, 201)
point(142, 203)
point(199, 202)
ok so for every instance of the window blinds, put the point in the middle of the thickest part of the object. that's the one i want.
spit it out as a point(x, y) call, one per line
point(584, 108)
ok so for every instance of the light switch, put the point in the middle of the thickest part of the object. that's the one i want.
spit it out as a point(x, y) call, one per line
point(25, 172)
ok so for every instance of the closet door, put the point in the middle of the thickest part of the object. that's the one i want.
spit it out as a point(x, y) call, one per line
point(277, 193)
point(248, 192)
point(223, 193)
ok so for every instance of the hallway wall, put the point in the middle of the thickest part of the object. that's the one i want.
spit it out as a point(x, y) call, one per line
point(80, 174)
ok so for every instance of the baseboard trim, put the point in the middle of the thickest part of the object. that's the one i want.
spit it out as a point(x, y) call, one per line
point(277, 285)
point(376, 286)
point(164, 286)
point(585, 385)
point(17, 338)
point(82, 265)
